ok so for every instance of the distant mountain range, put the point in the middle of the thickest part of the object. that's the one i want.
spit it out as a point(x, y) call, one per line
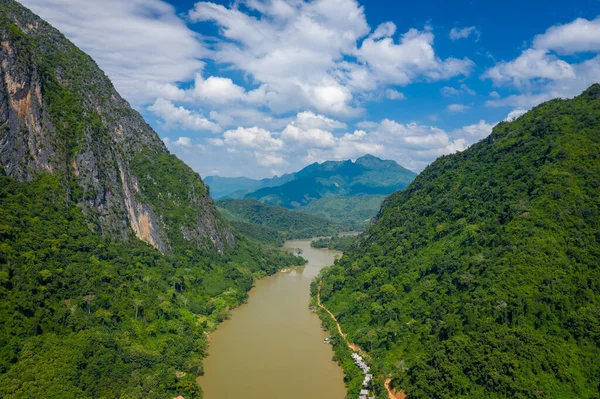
point(368, 175)
point(238, 187)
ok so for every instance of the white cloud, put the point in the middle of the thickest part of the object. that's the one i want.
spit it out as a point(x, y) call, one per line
point(182, 142)
point(174, 116)
point(531, 64)
point(298, 54)
point(515, 114)
point(308, 120)
point(458, 107)
point(580, 35)
point(309, 137)
point(252, 138)
point(217, 90)
point(386, 29)
point(474, 132)
point(448, 91)
point(463, 33)
point(409, 60)
point(141, 44)
point(392, 94)
point(268, 159)
point(540, 75)
point(291, 50)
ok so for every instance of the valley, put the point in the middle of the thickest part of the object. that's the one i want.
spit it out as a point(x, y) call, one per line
point(124, 273)
point(273, 345)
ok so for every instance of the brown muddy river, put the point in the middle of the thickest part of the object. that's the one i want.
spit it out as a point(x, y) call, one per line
point(272, 347)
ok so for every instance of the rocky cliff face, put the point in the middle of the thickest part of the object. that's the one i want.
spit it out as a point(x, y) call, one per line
point(59, 113)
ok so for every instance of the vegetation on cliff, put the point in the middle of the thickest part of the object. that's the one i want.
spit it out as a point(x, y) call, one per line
point(88, 309)
point(481, 279)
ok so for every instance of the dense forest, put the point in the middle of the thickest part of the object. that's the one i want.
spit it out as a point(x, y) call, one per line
point(481, 278)
point(356, 212)
point(337, 242)
point(119, 320)
point(114, 261)
point(274, 224)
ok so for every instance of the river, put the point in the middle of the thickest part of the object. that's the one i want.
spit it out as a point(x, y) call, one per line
point(272, 347)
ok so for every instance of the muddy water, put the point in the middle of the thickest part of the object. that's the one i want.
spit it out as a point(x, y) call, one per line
point(272, 347)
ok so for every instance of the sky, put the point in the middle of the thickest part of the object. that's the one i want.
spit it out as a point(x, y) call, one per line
point(263, 87)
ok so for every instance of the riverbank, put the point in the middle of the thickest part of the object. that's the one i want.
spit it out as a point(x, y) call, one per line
point(354, 384)
point(272, 346)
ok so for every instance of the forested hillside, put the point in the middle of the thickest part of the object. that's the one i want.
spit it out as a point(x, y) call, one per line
point(60, 113)
point(114, 261)
point(86, 316)
point(261, 221)
point(356, 212)
point(481, 279)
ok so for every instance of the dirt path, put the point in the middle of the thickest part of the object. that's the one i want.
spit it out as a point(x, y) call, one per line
point(391, 393)
point(352, 346)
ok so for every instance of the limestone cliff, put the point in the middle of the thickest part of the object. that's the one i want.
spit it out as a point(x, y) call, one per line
point(59, 113)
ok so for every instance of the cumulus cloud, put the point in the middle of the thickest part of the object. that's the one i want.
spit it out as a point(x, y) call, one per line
point(298, 53)
point(409, 60)
point(580, 35)
point(474, 132)
point(142, 45)
point(217, 90)
point(308, 120)
point(290, 50)
point(531, 64)
point(540, 74)
point(252, 138)
point(174, 116)
point(463, 33)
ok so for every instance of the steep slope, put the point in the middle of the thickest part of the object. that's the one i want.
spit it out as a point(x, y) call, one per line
point(481, 279)
point(369, 175)
point(59, 113)
point(82, 316)
point(88, 310)
point(288, 224)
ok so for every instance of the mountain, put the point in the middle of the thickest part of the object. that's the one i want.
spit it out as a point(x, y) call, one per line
point(61, 114)
point(238, 187)
point(356, 212)
point(369, 175)
point(481, 278)
point(114, 261)
point(265, 219)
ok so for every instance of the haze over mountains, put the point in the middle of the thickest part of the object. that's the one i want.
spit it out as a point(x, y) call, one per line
point(344, 191)
point(368, 175)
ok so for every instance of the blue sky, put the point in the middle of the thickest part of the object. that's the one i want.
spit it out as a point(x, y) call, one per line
point(263, 87)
